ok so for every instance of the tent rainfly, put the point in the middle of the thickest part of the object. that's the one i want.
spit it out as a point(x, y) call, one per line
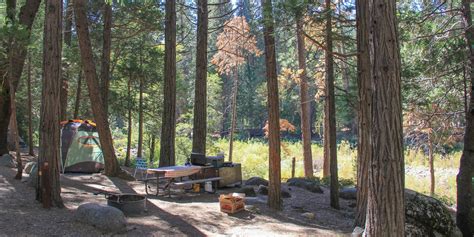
point(80, 147)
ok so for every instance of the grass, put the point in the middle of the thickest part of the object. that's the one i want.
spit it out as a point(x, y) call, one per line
point(253, 155)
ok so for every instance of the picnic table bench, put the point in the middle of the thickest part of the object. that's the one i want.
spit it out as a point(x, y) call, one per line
point(174, 175)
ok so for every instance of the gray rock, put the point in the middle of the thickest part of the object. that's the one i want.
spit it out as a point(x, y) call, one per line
point(29, 166)
point(248, 190)
point(263, 190)
point(105, 218)
point(307, 184)
point(348, 193)
point(285, 193)
point(7, 160)
point(426, 216)
point(33, 178)
point(256, 181)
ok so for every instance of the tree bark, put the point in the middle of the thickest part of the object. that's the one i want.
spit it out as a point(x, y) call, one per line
point(111, 164)
point(305, 101)
point(331, 110)
point(65, 75)
point(233, 123)
point(106, 49)
point(168, 127)
point(274, 187)
point(385, 204)
point(140, 119)
point(129, 131)
point(77, 104)
point(431, 160)
point(364, 74)
point(14, 65)
point(49, 190)
point(200, 87)
point(464, 218)
point(14, 132)
point(152, 149)
point(30, 113)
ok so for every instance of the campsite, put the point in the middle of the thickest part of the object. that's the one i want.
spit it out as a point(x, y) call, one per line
point(237, 118)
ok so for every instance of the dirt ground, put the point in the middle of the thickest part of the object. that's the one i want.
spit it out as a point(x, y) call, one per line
point(184, 214)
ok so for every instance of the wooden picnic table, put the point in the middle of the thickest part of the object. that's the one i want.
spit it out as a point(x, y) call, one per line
point(171, 174)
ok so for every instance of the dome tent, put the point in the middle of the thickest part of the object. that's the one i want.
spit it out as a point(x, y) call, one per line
point(80, 147)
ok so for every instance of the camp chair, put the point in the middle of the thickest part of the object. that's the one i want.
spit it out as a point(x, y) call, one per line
point(140, 164)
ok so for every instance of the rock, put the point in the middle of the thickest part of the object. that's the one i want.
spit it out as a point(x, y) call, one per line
point(308, 215)
point(426, 216)
point(357, 232)
point(29, 166)
point(33, 178)
point(348, 193)
point(248, 190)
point(105, 218)
point(256, 181)
point(263, 190)
point(285, 193)
point(7, 160)
point(309, 185)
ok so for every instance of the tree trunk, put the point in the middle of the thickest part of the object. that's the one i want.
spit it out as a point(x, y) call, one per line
point(464, 218)
point(305, 101)
point(364, 74)
point(200, 93)
point(385, 204)
point(65, 74)
point(431, 160)
point(77, 104)
point(152, 149)
point(106, 48)
point(331, 110)
point(168, 127)
point(30, 113)
point(140, 119)
point(111, 164)
point(129, 131)
point(274, 187)
point(49, 190)
point(14, 132)
point(235, 90)
point(14, 65)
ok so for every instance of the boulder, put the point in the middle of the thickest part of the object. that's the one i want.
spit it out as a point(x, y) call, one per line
point(426, 216)
point(256, 181)
point(285, 193)
point(248, 190)
point(105, 218)
point(348, 193)
point(307, 184)
point(262, 189)
point(33, 178)
point(29, 166)
point(7, 160)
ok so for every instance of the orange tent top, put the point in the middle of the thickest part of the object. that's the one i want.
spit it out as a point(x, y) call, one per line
point(78, 121)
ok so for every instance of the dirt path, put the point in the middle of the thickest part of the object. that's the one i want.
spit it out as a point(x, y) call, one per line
point(186, 214)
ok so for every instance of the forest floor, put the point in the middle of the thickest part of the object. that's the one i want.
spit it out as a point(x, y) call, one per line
point(184, 214)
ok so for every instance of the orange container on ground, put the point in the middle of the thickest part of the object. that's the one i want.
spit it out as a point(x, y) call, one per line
point(230, 203)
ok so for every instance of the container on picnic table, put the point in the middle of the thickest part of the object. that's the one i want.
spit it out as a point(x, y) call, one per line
point(232, 203)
